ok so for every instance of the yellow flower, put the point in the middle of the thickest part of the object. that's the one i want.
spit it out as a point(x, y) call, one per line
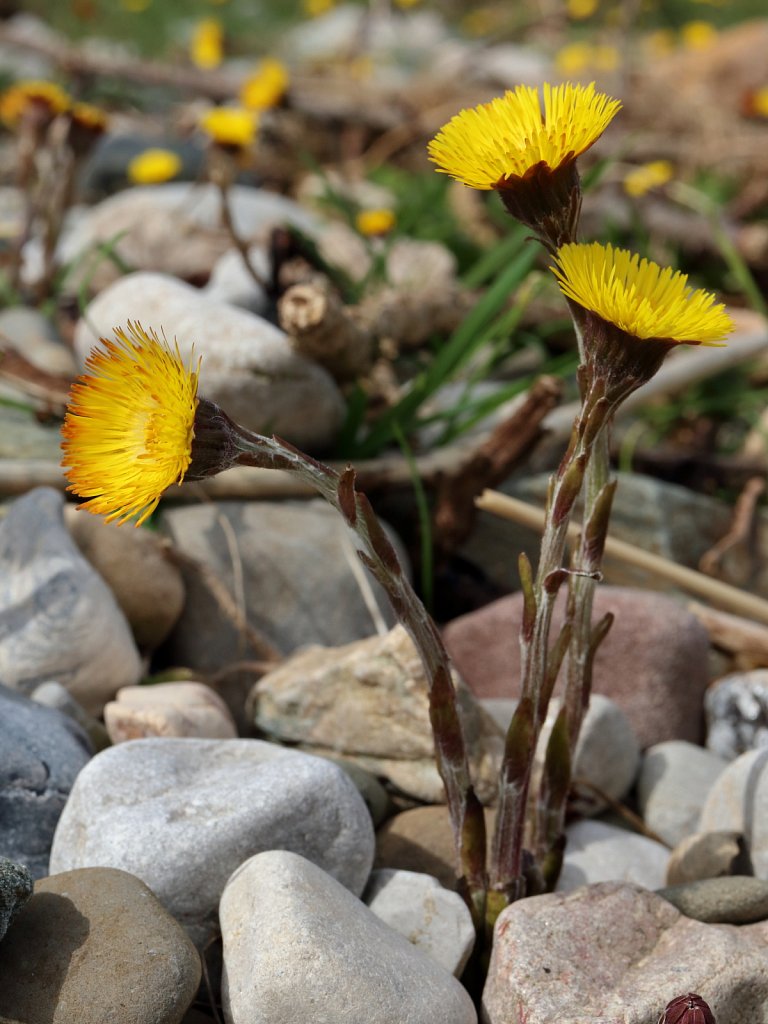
point(129, 425)
point(638, 296)
point(480, 22)
point(642, 179)
point(207, 46)
point(405, 4)
point(487, 145)
point(573, 58)
point(135, 6)
point(91, 118)
point(24, 97)
point(659, 43)
point(266, 87)
point(231, 127)
point(580, 9)
point(605, 58)
point(153, 166)
point(375, 222)
point(756, 103)
point(314, 8)
point(698, 35)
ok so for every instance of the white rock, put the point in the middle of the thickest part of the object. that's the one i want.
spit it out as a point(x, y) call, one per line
point(168, 709)
point(182, 814)
point(435, 920)
point(248, 365)
point(738, 801)
point(299, 948)
point(596, 852)
point(675, 780)
point(231, 282)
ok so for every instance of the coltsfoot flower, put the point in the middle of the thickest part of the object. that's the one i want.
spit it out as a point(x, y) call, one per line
point(231, 128)
point(266, 87)
point(129, 427)
point(152, 166)
point(32, 97)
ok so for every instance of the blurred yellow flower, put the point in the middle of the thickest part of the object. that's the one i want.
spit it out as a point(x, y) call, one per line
point(480, 22)
point(135, 6)
point(153, 166)
point(757, 102)
point(231, 127)
point(32, 95)
point(638, 296)
point(266, 87)
point(404, 5)
point(698, 35)
point(314, 8)
point(206, 48)
point(129, 426)
point(485, 146)
point(86, 115)
point(605, 58)
point(642, 179)
point(580, 9)
point(659, 43)
point(375, 222)
point(573, 58)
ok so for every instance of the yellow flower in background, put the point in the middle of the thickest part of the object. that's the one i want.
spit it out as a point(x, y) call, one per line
point(605, 58)
point(86, 115)
point(638, 296)
point(31, 95)
point(266, 87)
point(153, 166)
point(480, 22)
point(231, 127)
point(580, 9)
point(756, 102)
point(128, 430)
point(484, 146)
point(375, 222)
point(135, 6)
point(642, 179)
point(404, 5)
point(573, 58)
point(659, 43)
point(698, 35)
point(206, 48)
point(314, 8)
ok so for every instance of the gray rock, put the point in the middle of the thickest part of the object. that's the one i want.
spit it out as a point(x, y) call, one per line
point(736, 708)
point(737, 899)
point(369, 701)
point(15, 889)
point(707, 855)
point(41, 753)
point(31, 334)
point(93, 946)
point(182, 814)
point(675, 779)
point(597, 852)
point(299, 947)
point(376, 798)
point(58, 619)
point(615, 952)
point(106, 168)
point(23, 438)
point(54, 695)
point(231, 282)
point(738, 802)
point(248, 365)
point(432, 918)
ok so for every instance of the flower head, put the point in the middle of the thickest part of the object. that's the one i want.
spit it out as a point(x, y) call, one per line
point(266, 87)
point(46, 99)
point(128, 431)
point(375, 222)
point(638, 296)
point(488, 145)
point(230, 127)
point(152, 166)
point(86, 124)
point(206, 47)
point(642, 179)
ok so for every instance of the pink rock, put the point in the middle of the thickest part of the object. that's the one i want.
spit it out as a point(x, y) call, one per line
point(653, 662)
point(615, 952)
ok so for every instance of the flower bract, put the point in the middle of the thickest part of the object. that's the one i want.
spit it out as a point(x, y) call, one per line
point(638, 296)
point(128, 430)
point(485, 146)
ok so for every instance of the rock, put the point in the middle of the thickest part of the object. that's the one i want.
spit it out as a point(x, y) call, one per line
point(417, 266)
point(370, 789)
point(736, 709)
point(231, 282)
point(707, 855)
point(738, 899)
point(182, 814)
point(96, 945)
point(136, 565)
point(106, 167)
point(436, 921)
point(615, 952)
point(369, 701)
point(168, 709)
point(738, 801)
point(659, 685)
point(54, 695)
point(15, 889)
point(597, 852)
point(675, 779)
point(31, 334)
point(23, 437)
point(507, 65)
point(58, 619)
point(299, 947)
point(248, 365)
point(41, 753)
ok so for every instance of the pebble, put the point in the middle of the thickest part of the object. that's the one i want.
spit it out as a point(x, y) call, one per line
point(168, 709)
point(41, 753)
point(616, 952)
point(53, 695)
point(15, 889)
point(248, 365)
point(659, 686)
point(707, 855)
point(139, 570)
point(59, 618)
point(436, 921)
point(96, 945)
point(420, 840)
point(738, 801)
point(299, 947)
point(369, 701)
point(182, 814)
point(232, 282)
point(736, 899)
point(32, 334)
point(736, 709)
point(675, 779)
point(598, 852)
point(376, 798)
